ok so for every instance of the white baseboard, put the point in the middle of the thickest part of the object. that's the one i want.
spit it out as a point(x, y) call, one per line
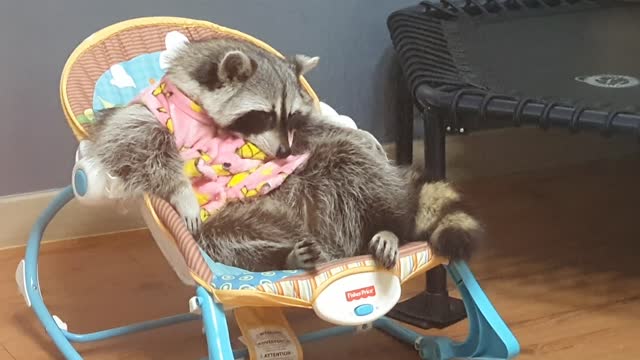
point(19, 213)
point(482, 154)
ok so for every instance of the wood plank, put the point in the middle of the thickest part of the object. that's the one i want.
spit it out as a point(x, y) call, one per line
point(4, 354)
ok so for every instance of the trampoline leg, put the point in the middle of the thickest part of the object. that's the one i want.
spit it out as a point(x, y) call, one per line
point(404, 130)
point(434, 308)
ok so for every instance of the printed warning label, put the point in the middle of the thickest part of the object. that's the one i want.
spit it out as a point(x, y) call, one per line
point(273, 344)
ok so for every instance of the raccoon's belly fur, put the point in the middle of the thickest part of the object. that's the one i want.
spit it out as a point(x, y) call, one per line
point(347, 200)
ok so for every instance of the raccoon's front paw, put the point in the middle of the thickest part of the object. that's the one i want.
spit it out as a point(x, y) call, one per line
point(186, 204)
point(456, 236)
point(384, 247)
point(305, 255)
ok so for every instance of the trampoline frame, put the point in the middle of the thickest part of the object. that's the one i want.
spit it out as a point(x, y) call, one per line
point(431, 82)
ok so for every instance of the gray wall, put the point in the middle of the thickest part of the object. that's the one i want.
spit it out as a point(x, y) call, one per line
point(36, 36)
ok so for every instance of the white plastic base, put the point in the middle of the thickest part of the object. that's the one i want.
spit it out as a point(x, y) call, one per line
point(168, 247)
point(332, 116)
point(21, 280)
point(99, 187)
point(194, 308)
point(335, 118)
point(364, 328)
point(94, 194)
point(61, 324)
point(358, 299)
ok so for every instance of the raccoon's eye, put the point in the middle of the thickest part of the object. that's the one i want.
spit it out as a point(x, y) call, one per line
point(294, 120)
point(253, 122)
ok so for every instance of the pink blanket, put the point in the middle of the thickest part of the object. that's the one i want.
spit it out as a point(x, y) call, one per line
point(222, 167)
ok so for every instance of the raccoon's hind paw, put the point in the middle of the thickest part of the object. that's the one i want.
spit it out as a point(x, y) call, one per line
point(305, 255)
point(384, 247)
point(456, 236)
point(186, 204)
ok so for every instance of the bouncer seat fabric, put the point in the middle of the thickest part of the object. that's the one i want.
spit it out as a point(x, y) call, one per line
point(113, 66)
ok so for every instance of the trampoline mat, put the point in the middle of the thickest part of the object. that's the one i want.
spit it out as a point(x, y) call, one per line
point(590, 56)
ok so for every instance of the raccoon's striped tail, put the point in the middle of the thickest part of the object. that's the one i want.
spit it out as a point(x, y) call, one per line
point(442, 221)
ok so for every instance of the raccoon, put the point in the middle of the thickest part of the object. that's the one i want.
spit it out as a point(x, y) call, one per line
point(245, 89)
point(347, 200)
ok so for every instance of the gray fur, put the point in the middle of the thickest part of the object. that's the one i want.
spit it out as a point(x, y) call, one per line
point(347, 200)
point(269, 84)
point(130, 144)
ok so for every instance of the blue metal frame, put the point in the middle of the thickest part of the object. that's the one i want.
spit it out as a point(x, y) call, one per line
point(489, 337)
point(60, 337)
point(129, 329)
point(215, 326)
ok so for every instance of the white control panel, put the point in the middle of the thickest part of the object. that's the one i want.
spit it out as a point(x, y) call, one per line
point(359, 298)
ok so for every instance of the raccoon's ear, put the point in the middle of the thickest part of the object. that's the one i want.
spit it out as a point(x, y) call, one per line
point(207, 74)
point(302, 64)
point(236, 66)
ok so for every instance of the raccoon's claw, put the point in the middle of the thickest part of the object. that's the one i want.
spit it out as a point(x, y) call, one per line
point(193, 224)
point(186, 204)
point(305, 255)
point(384, 247)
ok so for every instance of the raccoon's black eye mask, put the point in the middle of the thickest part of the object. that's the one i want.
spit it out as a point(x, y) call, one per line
point(296, 120)
point(254, 122)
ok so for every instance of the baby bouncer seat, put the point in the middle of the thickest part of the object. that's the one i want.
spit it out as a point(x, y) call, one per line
point(109, 69)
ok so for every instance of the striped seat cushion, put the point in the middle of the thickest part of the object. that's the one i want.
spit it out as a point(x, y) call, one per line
point(415, 258)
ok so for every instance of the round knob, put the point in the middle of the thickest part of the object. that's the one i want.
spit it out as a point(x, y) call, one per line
point(80, 182)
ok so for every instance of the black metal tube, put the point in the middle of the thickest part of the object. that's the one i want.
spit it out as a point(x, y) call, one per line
point(434, 149)
point(435, 167)
point(560, 115)
point(433, 308)
point(404, 130)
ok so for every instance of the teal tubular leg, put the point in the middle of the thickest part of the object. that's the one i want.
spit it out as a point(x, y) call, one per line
point(62, 338)
point(129, 329)
point(31, 275)
point(398, 331)
point(215, 326)
point(489, 337)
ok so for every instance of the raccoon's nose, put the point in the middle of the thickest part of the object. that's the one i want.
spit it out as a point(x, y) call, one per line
point(283, 152)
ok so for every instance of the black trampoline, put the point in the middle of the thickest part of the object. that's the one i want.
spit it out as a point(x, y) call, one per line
point(481, 64)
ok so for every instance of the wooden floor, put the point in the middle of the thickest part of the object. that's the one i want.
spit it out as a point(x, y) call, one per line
point(561, 267)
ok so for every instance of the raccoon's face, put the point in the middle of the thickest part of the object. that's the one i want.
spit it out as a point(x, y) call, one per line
point(246, 90)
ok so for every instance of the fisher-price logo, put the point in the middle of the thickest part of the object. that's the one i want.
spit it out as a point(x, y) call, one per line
point(369, 291)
